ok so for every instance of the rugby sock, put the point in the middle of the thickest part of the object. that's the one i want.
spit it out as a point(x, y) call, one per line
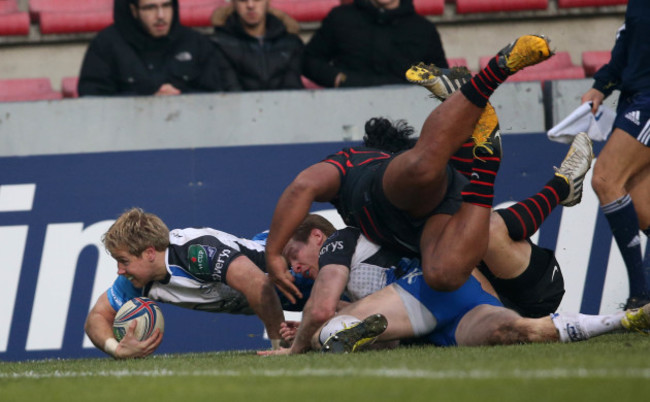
point(574, 327)
point(624, 223)
point(479, 89)
point(463, 158)
point(480, 190)
point(525, 217)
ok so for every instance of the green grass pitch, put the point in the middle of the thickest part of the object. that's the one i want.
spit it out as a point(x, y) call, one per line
point(608, 368)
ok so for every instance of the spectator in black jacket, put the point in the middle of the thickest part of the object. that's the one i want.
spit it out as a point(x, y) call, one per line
point(371, 42)
point(148, 52)
point(257, 52)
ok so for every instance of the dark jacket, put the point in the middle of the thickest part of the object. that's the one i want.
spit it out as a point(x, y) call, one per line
point(250, 64)
point(629, 67)
point(125, 60)
point(371, 46)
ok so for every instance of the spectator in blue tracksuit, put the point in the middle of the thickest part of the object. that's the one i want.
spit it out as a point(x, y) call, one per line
point(621, 177)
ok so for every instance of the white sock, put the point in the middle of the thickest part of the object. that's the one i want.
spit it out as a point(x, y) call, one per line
point(579, 327)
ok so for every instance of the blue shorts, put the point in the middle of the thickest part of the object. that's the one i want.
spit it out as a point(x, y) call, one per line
point(633, 116)
point(447, 307)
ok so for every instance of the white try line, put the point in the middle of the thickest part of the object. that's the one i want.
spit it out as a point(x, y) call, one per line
point(570, 373)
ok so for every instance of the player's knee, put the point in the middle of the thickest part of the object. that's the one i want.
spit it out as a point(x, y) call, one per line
point(442, 280)
point(320, 314)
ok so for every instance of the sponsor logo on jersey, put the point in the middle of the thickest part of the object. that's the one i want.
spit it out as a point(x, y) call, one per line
point(199, 260)
point(223, 257)
point(331, 247)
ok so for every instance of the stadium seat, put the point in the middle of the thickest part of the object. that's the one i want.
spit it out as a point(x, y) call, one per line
point(305, 10)
point(489, 6)
point(27, 89)
point(37, 7)
point(589, 3)
point(75, 22)
point(309, 84)
point(429, 7)
point(459, 61)
point(558, 67)
point(196, 13)
point(8, 6)
point(69, 87)
point(558, 61)
point(592, 61)
point(14, 23)
point(565, 73)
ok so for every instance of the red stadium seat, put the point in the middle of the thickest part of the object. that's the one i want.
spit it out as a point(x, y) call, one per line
point(566, 73)
point(37, 7)
point(16, 23)
point(558, 67)
point(592, 61)
point(489, 6)
point(309, 84)
point(459, 61)
point(429, 7)
point(8, 6)
point(69, 87)
point(305, 10)
point(589, 3)
point(559, 60)
point(197, 13)
point(27, 89)
point(74, 22)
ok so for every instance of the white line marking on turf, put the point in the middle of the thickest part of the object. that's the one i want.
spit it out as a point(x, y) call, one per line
point(642, 373)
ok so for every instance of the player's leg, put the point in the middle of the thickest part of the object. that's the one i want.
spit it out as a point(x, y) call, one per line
point(622, 158)
point(525, 217)
point(414, 181)
point(385, 302)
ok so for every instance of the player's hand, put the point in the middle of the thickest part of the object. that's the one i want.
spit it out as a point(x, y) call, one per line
point(280, 275)
point(595, 96)
point(130, 347)
point(167, 89)
point(277, 352)
point(288, 330)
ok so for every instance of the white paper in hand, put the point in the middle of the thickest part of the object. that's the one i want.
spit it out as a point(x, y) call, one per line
point(597, 126)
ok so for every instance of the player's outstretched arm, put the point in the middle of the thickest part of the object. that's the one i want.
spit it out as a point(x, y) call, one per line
point(99, 328)
point(319, 182)
point(244, 276)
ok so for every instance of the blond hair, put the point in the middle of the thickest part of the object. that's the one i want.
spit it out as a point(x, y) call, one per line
point(135, 230)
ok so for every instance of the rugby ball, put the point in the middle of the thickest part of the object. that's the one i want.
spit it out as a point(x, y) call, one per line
point(145, 311)
point(336, 324)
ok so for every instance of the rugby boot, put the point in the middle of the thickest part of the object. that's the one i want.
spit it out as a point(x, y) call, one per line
point(575, 166)
point(487, 134)
point(525, 51)
point(637, 319)
point(357, 336)
point(442, 82)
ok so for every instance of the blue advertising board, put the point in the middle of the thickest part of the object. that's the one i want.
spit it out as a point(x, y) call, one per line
point(54, 209)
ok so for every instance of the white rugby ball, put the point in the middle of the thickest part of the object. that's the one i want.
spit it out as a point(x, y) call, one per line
point(335, 324)
point(145, 311)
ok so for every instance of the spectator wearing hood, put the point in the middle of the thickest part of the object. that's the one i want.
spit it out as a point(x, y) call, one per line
point(371, 42)
point(259, 49)
point(148, 52)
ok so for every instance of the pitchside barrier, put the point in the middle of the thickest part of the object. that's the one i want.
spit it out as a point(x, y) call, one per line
point(69, 168)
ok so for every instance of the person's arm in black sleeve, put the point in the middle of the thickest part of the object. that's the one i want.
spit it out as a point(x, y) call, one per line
point(318, 53)
point(211, 78)
point(97, 76)
point(608, 77)
point(291, 78)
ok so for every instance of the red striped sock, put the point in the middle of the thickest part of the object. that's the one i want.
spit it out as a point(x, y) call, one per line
point(479, 89)
point(525, 217)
